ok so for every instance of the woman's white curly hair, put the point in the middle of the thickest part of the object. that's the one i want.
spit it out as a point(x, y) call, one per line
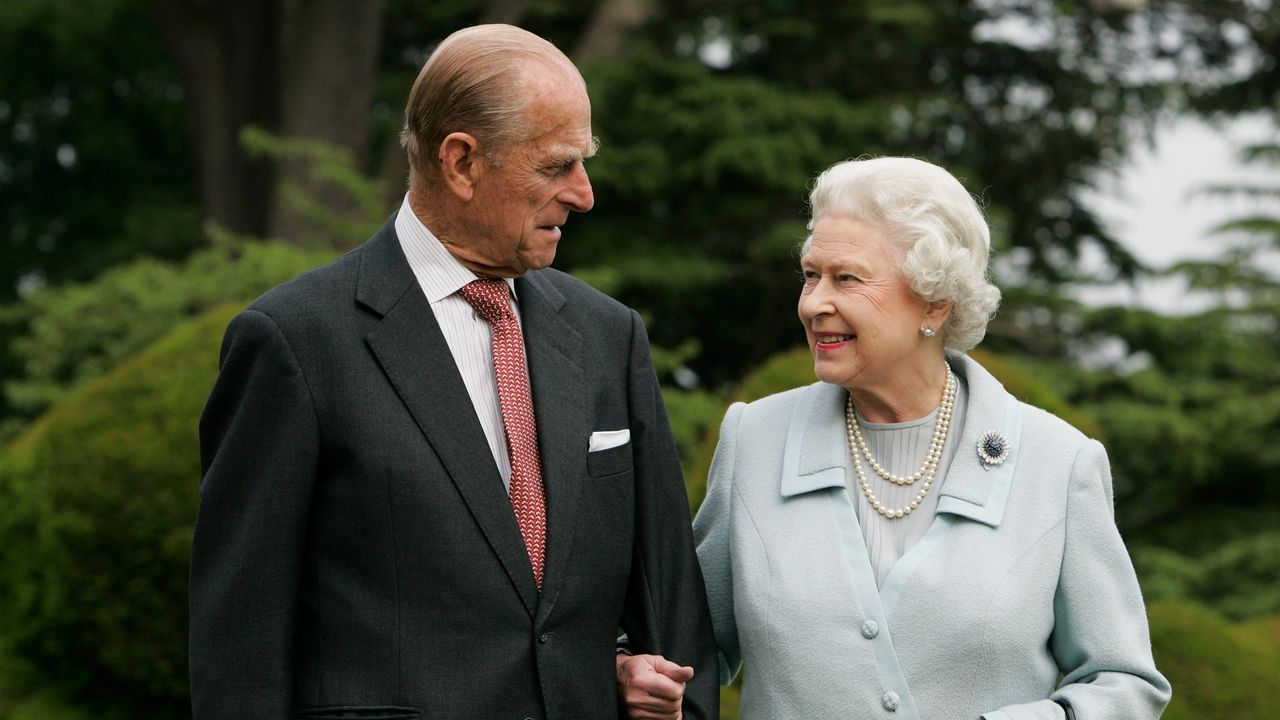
point(937, 227)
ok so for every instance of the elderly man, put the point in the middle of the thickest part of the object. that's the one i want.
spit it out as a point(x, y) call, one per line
point(438, 477)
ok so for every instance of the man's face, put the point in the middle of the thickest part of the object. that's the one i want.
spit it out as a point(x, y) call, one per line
point(521, 203)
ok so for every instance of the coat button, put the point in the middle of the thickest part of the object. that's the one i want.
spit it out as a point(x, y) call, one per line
point(543, 637)
point(870, 629)
point(890, 701)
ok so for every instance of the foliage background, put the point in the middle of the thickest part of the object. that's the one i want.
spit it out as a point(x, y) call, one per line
point(147, 191)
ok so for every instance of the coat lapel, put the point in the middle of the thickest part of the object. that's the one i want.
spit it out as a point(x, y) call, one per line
point(416, 359)
point(816, 453)
point(558, 382)
point(973, 490)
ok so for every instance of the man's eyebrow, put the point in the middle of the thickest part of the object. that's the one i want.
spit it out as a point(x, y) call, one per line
point(566, 155)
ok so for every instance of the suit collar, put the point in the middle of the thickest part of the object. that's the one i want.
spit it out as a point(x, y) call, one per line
point(384, 275)
point(817, 451)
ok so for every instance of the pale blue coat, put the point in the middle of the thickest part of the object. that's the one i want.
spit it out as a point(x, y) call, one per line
point(1022, 576)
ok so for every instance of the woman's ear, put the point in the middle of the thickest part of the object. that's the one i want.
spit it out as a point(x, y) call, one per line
point(938, 312)
point(460, 164)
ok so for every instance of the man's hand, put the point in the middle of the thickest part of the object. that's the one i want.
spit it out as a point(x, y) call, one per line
point(651, 687)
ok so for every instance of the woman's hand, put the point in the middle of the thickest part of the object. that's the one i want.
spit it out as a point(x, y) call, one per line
point(651, 687)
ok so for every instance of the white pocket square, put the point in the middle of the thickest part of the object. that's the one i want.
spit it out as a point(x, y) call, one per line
point(605, 439)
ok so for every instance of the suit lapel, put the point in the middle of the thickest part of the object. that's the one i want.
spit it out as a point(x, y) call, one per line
point(412, 351)
point(558, 382)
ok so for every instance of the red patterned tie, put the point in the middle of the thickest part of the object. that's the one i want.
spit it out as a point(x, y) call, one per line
point(490, 298)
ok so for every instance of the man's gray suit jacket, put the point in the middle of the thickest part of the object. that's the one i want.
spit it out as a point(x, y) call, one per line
point(356, 554)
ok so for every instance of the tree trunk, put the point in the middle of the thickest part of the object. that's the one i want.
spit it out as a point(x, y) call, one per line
point(227, 55)
point(296, 68)
point(503, 11)
point(607, 34)
point(329, 65)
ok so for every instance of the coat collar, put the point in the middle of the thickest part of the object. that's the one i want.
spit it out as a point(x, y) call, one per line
point(817, 452)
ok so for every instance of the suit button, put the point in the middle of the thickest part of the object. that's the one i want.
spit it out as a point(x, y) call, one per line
point(543, 637)
point(870, 629)
point(890, 701)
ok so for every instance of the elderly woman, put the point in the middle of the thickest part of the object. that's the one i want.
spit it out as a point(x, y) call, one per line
point(904, 539)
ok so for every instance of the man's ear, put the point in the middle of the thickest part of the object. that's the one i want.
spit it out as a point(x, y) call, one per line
point(460, 164)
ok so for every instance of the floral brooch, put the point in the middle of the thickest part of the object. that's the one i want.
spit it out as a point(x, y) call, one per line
point(993, 449)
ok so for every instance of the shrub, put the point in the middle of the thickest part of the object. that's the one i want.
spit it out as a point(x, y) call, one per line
point(1218, 669)
point(100, 497)
point(76, 332)
point(1236, 579)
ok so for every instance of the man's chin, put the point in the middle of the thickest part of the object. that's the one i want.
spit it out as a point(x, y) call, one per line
point(536, 262)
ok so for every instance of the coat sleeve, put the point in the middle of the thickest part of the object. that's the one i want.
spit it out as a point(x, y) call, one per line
point(666, 608)
point(711, 534)
point(1100, 637)
point(259, 446)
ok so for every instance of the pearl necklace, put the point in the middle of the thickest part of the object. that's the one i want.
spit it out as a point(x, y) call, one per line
point(858, 446)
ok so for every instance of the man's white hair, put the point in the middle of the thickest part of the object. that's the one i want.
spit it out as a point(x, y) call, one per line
point(941, 237)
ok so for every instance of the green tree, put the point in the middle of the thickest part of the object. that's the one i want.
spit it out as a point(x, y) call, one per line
point(94, 168)
point(716, 120)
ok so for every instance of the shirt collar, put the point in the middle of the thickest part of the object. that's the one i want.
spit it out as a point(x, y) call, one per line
point(439, 273)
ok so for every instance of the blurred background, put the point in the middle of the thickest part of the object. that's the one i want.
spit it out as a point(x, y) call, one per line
point(162, 162)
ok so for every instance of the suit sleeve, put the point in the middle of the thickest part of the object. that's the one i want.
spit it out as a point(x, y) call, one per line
point(711, 535)
point(666, 607)
point(259, 446)
point(1100, 638)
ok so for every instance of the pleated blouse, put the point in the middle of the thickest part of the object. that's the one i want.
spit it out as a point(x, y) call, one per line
point(900, 448)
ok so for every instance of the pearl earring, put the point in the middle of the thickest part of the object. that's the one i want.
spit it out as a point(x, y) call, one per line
point(927, 330)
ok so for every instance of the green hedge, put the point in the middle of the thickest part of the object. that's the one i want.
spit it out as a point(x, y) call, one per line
point(100, 497)
point(76, 332)
point(1218, 669)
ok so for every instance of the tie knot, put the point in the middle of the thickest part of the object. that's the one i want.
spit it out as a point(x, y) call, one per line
point(489, 298)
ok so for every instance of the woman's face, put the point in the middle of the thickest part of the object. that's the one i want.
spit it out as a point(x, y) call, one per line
point(862, 321)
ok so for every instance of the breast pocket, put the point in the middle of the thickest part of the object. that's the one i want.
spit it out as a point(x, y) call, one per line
point(360, 712)
point(614, 461)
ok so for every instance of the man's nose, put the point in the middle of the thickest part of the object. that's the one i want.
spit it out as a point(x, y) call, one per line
point(578, 195)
